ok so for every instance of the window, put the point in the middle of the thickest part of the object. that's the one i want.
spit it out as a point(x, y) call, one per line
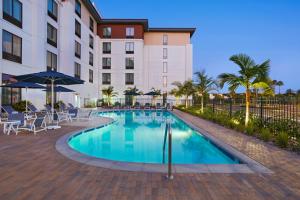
point(78, 8)
point(129, 47)
point(129, 78)
point(107, 32)
point(91, 59)
point(77, 28)
point(91, 24)
point(165, 81)
point(165, 67)
point(129, 63)
point(77, 49)
point(91, 76)
point(12, 12)
point(52, 9)
point(165, 53)
point(51, 35)
point(106, 63)
point(129, 32)
point(11, 47)
point(91, 41)
point(106, 47)
point(9, 96)
point(165, 39)
point(77, 70)
point(106, 79)
point(51, 61)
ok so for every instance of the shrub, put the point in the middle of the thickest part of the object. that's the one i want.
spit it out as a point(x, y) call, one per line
point(282, 139)
point(20, 106)
point(250, 129)
point(265, 134)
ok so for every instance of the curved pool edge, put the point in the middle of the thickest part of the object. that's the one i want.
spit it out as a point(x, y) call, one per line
point(248, 166)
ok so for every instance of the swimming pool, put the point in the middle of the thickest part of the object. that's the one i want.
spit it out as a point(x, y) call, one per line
point(138, 137)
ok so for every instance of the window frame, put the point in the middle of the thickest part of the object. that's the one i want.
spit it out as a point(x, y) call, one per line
point(11, 18)
point(165, 53)
point(106, 51)
point(131, 30)
point(11, 56)
point(91, 59)
point(91, 41)
point(104, 35)
point(127, 61)
point(52, 55)
point(49, 41)
point(106, 82)
point(127, 82)
point(130, 50)
point(91, 76)
point(91, 24)
point(106, 66)
point(50, 13)
point(77, 70)
point(165, 81)
point(77, 32)
point(165, 67)
point(77, 54)
point(77, 2)
point(165, 39)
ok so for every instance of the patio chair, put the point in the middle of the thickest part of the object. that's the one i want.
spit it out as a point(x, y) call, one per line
point(32, 108)
point(137, 105)
point(9, 109)
point(61, 116)
point(63, 107)
point(73, 113)
point(37, 124)
point(86, 116)
point(147, 106)
point(158, 106)
point(70, 105)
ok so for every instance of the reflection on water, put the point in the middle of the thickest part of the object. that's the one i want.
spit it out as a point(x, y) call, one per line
point(138, 136)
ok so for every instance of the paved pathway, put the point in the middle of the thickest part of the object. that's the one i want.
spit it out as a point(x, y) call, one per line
point(31, 168)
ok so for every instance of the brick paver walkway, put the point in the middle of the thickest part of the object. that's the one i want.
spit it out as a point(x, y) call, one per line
point(31, 168)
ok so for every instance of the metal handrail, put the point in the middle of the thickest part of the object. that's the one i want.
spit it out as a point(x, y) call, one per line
point(168, 132)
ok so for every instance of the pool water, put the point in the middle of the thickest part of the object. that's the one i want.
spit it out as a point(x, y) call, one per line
point(138, 136)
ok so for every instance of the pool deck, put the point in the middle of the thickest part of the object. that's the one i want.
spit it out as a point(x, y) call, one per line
point(32, 168)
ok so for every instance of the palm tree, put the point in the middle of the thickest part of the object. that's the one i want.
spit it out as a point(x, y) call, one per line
point(279, 84)
point(176, 93)
point(186, 88)
point(205, 84)
point(109, 93)
point(251, 75)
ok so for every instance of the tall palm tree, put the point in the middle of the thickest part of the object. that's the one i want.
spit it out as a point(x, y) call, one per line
point(279, 84)
point(109, 93)
point(186, 88)
point(176, 93)
point(204, 85)
point(250, 75)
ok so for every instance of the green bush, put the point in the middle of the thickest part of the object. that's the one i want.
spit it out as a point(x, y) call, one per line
point(265, 134)
point(20, 106)
point(282, 139)
point(250, 129)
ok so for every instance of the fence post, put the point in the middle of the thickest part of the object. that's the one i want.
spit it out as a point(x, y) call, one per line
point(213, 105)
point(261, 110)
point(230, 107)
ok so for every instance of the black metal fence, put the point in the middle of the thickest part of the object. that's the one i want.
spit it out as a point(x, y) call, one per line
point(269, 110)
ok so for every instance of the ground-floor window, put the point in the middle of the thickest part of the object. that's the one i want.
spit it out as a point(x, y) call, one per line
point(10, 95)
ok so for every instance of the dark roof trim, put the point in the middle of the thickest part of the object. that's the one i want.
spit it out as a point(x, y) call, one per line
point(143, 22)
point(174, 30)
point(91, 8)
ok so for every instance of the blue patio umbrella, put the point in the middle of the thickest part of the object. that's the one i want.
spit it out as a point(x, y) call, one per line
point(26, 85)
point(50, 77)
point(153, 94)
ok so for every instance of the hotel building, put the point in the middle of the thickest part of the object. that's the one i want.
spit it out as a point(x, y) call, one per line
point(71, 36)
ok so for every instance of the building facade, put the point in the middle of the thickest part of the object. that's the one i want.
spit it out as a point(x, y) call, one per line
point(70, 36)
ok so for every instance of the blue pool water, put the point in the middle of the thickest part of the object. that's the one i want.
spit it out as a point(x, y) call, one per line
point(138, 136)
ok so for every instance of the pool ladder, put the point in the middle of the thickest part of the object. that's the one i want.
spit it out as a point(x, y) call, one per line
point(168, 132)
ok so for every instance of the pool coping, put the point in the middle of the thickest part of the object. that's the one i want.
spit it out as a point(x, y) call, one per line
point(248, 165)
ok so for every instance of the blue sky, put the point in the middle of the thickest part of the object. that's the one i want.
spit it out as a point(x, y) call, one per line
point(263, 29)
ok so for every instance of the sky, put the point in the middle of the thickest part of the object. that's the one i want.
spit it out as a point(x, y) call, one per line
point(262, 29)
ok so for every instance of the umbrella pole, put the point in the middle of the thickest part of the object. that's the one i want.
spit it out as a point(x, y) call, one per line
point(52, 99)
point(26, 100)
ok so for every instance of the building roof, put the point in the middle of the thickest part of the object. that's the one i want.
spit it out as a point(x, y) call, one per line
point(92, 9)
point(143, 22)
point(174, 30)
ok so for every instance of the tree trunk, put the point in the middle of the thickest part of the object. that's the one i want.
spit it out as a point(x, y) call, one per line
point(186, 101)
point(247, 106)
point(202, 103)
